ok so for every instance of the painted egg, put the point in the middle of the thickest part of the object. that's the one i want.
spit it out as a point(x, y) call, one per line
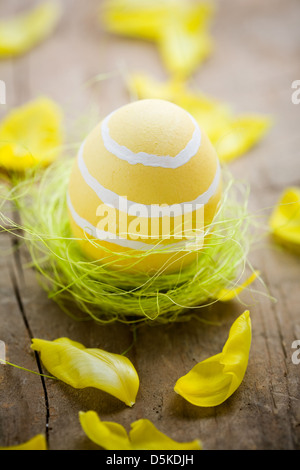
point(144, 187)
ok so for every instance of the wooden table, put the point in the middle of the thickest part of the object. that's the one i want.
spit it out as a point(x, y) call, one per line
point(255, 61)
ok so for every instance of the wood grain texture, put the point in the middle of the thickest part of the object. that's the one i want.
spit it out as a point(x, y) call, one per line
point(255, 60)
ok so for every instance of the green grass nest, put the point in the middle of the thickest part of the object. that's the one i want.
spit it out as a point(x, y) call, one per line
point(86, 289)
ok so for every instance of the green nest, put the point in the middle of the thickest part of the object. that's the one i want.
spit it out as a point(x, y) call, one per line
point(88, 289)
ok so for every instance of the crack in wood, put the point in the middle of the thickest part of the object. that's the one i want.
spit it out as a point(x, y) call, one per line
point(18, 296)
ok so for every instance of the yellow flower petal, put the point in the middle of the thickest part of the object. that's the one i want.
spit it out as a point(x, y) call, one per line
point(36, 443)
point(19, 34)
point(285, 219)
point(228, 294)
point(143, 435)
point(185, 41)
point(231, 135)
point(31, 134)
point(81, 367)
point(241, 134)
point(215, 379)
point(135, 18)
point(180, 28)
point(143, 87)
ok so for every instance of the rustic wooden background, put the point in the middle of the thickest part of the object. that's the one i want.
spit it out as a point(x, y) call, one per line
point(256, 58)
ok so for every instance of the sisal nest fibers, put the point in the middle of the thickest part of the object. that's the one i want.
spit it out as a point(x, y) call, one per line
point(89, 289)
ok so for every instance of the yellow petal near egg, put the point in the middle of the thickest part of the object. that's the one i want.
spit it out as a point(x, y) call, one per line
point(179, 28)
point(240, 134)
point(19, 34)
point(31, 135)
point(232, 135)
point(141, 161)
point(285, 219)
point(228, 294)
point(137, 19)
point(184, 45)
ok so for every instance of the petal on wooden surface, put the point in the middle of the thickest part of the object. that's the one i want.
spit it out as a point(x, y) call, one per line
point(228, 294)
point(31, 134)
point(38, 442)
point(142, 436)
point(231, 135)
point(214, 380)
point(180, 28)
point(82, 367)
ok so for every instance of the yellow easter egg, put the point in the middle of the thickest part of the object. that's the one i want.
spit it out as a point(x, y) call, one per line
point(144, 188)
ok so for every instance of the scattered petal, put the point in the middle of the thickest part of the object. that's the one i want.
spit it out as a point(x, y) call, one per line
point(185, 41)
point(36, 443)
point(180, 28)
point(231, 135)
point(81, 367)
point(31, 134)
point(21, 33)
point(143, 87)
point(285, 219)
point(228, 294)
point(242, 134)
point(215, 379)
point(142, 436)
point(135, 18)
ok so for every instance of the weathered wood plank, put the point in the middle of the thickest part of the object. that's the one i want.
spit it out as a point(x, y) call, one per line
point(21, 417)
